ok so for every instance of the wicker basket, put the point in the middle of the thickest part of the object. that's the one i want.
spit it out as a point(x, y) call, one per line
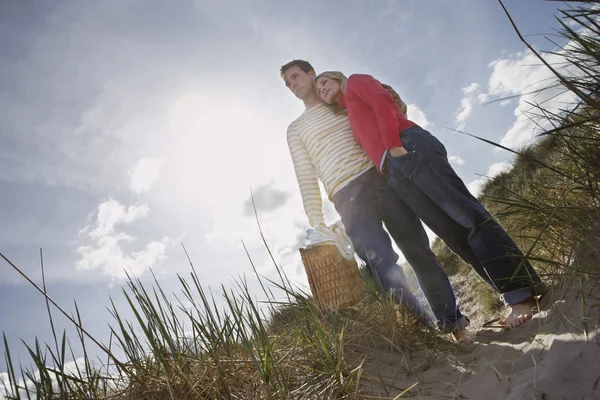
point(334, 281)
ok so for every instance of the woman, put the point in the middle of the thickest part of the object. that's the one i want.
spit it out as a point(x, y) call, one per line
point(416, 166)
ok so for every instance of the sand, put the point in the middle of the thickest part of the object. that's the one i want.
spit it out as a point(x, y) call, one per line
point(556, 355)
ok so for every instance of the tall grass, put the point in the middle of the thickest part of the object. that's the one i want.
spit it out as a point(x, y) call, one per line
point(553, 196)
point(183, 346)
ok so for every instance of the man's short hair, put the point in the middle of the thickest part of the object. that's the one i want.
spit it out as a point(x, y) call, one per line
point(303, 65)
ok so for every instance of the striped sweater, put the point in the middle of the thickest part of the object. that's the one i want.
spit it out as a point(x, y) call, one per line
point(323, 147)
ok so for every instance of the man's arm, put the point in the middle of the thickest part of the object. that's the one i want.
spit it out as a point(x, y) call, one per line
point(307, 180)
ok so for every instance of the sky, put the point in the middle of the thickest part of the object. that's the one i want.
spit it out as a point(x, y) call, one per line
point(130, 127)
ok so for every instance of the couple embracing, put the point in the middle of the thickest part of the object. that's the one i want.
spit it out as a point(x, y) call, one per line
point(378, 167)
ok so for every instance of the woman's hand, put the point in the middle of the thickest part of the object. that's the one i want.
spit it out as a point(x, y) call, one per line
point(397, 151)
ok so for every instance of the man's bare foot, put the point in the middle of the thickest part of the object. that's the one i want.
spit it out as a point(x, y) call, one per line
point(519, 314)
point(462, 336)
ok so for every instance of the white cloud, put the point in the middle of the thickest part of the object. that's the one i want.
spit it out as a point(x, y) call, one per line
point(498, 168)
point(472, 96)
point(505, 103)
point(417, 115)
point(471, 89)
point(482, 98)
point(105, 251)
point(522, 74)
point(510, 76)
point(456, 161)
point(143, 174)
point(75, 368)
point(466, 108)
point(4, 385)
point(476, 186)
point(111, 213)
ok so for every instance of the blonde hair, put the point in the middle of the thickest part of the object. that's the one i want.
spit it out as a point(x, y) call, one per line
point(342, 79)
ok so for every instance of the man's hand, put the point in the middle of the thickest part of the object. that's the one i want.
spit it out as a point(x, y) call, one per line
point(321, 227)
point(397, 151)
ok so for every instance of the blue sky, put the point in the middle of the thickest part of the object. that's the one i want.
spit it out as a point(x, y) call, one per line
point(128, 127)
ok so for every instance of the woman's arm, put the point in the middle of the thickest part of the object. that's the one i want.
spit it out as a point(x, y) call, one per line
point(371, 92)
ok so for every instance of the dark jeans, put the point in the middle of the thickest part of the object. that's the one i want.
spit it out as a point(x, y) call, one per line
point(363, 205)
point(424, 179)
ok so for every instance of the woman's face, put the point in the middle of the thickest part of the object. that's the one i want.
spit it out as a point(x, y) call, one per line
point(328, 89)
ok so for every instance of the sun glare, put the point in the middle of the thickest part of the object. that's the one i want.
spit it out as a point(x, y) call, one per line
point(216, 147)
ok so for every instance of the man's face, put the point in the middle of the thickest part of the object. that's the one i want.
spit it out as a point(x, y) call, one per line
point(299, 82)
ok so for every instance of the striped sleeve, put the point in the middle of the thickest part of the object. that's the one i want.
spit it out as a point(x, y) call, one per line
point(307, 179)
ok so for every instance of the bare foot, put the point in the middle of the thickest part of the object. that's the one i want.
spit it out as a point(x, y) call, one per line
point(463, 336)
point(519, 314)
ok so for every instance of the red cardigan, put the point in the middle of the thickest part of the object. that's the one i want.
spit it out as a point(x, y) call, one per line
point(376, 119)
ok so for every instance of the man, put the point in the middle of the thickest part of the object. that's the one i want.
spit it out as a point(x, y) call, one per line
point(323, 148)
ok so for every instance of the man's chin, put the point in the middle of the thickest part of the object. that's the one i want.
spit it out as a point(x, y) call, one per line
point(302, 93)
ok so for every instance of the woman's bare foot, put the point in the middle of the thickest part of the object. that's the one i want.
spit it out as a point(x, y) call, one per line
point(519, 314)
point(462, 336)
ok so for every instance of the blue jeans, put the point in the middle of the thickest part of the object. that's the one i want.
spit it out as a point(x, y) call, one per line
point(426, 181)
point(363, 205)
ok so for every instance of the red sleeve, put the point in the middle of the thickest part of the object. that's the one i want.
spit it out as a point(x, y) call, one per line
point(369, 90)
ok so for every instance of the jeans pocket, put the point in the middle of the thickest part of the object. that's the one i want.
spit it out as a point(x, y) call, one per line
point(346, 202)
point(403, 157)
point(408, 165)
point(342, 205)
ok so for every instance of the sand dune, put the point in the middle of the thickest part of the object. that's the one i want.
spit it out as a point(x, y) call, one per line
point(556, 355)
